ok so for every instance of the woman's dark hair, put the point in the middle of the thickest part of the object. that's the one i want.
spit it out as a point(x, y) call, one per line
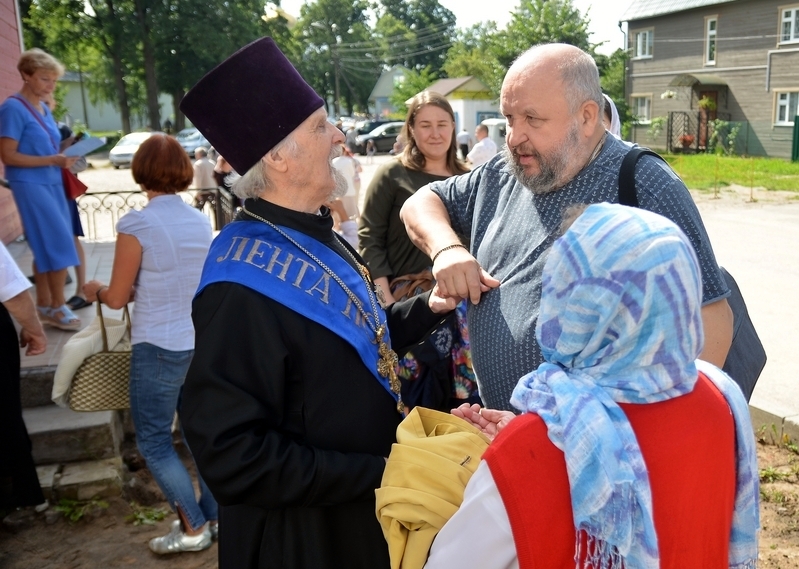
point(411, 156)
point(161, 165)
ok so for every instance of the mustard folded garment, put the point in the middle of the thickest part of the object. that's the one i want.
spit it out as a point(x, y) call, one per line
point(427, 471)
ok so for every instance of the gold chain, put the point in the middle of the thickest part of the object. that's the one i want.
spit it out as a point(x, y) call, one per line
point(388, 359)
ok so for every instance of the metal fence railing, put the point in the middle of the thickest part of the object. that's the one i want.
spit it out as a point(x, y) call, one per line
point(100, 211)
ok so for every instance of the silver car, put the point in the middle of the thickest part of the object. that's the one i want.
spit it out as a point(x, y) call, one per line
point(191, 139)
point(122, 153)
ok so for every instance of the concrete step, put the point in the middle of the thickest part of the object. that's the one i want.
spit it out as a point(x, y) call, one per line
point(81, 480)
point(61, 435)
point(36, 386)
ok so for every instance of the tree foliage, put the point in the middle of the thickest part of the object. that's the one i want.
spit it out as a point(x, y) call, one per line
point(415, 81)
point(541, 21)
point(130, 51)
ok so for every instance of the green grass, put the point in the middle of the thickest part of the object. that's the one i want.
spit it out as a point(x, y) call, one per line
point(706, 171)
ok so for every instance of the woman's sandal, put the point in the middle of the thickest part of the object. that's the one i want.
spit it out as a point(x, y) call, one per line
point(78, 302)
point(66, 321)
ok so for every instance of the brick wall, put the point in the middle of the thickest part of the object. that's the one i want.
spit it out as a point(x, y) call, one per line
point(10, 226)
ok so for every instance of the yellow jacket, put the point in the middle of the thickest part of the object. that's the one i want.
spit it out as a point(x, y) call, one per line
point(429, 466)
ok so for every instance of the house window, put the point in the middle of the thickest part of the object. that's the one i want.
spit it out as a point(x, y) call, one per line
point(710, 41)
point(787, 107)
point(642, 108)
point(790, 25)
point(643, 43)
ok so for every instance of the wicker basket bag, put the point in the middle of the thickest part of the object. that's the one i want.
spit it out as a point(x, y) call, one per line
point(101, 382)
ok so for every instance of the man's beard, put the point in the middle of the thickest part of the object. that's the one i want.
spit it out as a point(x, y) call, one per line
point(551, 165)
point(341, 182)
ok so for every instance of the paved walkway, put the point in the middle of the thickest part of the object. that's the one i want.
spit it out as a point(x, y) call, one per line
point(758, 244)
point(99, 261)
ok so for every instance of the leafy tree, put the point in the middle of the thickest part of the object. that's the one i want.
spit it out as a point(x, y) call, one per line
point(417, 34)
point(193, 37)
point(415, 81)
point(471, 55)
point(337, 55)
point(541, 21)
point(612, 71)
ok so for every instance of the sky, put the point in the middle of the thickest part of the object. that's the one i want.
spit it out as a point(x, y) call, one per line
point(604, 15)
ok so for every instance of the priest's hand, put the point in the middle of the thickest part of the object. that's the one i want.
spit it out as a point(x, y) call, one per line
point(440, 304)
point(489, 421)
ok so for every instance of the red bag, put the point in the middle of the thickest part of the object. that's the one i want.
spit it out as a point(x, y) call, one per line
point(73, 187)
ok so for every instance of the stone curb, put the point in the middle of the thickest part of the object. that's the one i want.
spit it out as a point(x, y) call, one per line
point(784, 429)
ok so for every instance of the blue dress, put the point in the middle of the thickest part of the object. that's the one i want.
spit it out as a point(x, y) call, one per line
point(39, 192)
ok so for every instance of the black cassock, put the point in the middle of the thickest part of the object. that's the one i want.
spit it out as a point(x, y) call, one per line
point(288, 427)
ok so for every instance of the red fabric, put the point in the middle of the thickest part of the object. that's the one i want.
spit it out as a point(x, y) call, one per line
point(688, 444)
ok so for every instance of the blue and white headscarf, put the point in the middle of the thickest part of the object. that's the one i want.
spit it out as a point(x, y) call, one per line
point(620, 322)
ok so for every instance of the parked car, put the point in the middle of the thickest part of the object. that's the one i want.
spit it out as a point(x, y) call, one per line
point(122, 153)
point(191, 139)
point(383, 136)
point(367, 126)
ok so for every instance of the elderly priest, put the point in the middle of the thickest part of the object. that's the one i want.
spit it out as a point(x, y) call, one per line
point(291, 402)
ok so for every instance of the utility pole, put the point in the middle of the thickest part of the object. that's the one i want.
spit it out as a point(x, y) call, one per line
point(336, 106)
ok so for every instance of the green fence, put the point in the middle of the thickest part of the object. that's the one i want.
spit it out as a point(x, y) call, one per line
point(795, 149)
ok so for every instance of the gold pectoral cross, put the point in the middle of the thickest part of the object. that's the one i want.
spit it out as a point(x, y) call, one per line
point(387, 363)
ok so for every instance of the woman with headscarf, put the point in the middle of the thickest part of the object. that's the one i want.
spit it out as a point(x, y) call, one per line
point(438, 373)
point(30, 149)
point(630, 452)
point(611, 117)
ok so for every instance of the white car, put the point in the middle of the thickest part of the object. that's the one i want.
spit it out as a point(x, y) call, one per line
point(122, 153)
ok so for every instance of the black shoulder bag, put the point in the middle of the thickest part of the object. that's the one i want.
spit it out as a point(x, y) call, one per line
point(746, 358)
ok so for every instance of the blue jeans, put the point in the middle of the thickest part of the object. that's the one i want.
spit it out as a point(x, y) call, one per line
point(156, 383)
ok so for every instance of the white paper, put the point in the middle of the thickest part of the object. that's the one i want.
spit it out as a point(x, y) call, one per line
point(84, 146)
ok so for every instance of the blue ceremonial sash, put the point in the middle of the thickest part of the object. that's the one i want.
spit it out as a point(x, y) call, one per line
point(253, 254)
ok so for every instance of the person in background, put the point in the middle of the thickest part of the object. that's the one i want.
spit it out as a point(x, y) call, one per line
point(30, 149)
point(350, 169)
point(159, 255)
point(76, 301)
point(558, 153)
point(204, 180)
point(629, 452)
point(437, 374)
point(464, 142)
point(370, 151)
point(291, 404)
point(19, 483)
point(350, 141)
point(610, 117)
point(485, 148)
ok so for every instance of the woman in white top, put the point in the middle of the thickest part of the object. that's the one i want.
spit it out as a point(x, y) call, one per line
point(159, 256)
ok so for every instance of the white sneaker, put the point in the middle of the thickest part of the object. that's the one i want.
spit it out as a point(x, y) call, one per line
point(176, 541)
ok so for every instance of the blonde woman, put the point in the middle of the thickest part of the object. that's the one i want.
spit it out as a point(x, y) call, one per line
point(30, 149)
point(438, 374)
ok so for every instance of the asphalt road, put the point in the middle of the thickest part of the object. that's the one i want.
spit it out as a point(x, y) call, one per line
point(759, 245)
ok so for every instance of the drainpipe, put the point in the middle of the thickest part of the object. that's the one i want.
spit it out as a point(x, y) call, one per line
point(624, 75)
point(19, 27)
point(768, 63)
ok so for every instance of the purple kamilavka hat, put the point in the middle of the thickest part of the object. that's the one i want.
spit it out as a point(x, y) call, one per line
point(250, 102)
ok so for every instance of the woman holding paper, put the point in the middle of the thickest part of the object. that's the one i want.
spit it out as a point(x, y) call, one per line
point(30, 150)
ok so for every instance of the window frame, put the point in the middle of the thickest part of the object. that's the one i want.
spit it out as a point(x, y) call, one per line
point(634, 97)
point(650, 43)
point(793, 22)
point(711, 38)
point(778, 105)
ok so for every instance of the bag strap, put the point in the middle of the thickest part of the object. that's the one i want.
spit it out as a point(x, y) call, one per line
point(38, 117)
point(627, 193)
point(125, 317)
